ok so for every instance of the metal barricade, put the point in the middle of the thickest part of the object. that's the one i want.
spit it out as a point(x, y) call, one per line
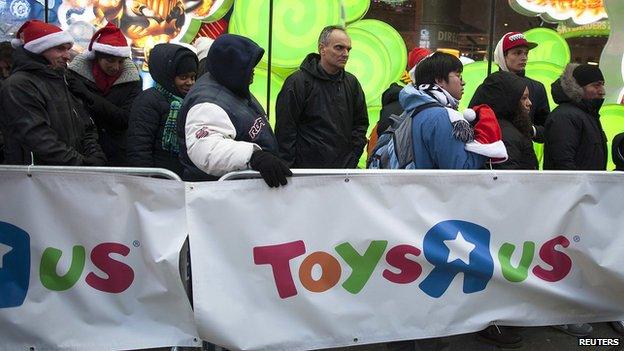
point(145, 172)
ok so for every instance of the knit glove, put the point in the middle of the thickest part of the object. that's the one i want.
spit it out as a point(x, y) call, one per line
point(271, 168)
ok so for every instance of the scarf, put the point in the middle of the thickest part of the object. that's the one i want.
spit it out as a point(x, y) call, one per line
point(461, 128)
point(169, 140)
point(103, 81)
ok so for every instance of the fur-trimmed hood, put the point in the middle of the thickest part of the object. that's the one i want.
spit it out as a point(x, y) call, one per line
point(566, 89)
point(83, 66)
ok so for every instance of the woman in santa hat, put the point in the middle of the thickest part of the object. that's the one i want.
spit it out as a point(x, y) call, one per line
point(107, 81)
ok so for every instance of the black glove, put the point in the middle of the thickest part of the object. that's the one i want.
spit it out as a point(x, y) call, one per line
point(271, 168)
point(77, 87)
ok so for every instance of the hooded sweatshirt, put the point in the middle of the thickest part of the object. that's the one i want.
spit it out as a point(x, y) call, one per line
point(321, 119)
point(151, 109)
point(574, 136)
point(221, 123)
point(502, 91)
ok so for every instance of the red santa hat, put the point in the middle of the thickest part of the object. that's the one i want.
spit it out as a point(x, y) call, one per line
point(487, 135)
point(415, 56)
point(109, 40)
point(37, 36)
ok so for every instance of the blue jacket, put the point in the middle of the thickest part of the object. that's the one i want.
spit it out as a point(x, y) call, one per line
point(434, 145)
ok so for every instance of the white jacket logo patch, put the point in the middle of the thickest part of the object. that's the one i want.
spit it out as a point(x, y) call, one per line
point(256, 128)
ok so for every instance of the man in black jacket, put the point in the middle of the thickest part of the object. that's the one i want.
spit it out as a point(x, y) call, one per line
point(43, 122)
point(321, 109)
point(107, 81)
point(574, 136)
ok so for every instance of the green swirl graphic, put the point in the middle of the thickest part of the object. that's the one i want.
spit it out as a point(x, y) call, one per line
point(473, 74)
point(551, 46)
point(393, 42)
point(296, 26)
point(367, 62)
point(355, 9)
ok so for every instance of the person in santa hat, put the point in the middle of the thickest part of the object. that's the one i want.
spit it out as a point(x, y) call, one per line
point(107, 81)
point(511, 55)
point(43, 123)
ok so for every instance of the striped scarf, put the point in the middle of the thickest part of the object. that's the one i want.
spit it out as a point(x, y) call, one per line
point(169, 140)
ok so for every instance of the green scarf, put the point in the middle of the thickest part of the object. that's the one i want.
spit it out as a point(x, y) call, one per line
point(170, 132)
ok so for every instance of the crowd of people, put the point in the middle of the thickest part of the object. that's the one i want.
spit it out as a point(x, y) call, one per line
point(200, 119)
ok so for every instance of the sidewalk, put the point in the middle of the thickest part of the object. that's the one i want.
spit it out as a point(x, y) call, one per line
point(535, 339)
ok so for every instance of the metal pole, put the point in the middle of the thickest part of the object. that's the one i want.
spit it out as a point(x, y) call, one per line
point(492, 26)
point(268, 97)
point(45, 13)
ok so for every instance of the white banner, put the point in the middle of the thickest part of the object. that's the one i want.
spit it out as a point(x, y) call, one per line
point(90, 262)
point(344, 260)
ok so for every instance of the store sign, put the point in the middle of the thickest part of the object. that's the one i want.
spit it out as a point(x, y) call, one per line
point(597, 29)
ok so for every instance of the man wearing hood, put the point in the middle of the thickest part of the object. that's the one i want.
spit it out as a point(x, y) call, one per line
point(321, 110)
point(511, 55)
point(152, 134)
point(222, 127)
point(574, 136)
point(43, 123)
point(508, 95)
point(107, 81)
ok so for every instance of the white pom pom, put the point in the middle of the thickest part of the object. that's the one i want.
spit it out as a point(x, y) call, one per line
point(16, 43)
point(470, 115)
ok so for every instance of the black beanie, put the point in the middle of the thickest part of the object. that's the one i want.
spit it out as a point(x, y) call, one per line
point(587, 74)
point(185, 62)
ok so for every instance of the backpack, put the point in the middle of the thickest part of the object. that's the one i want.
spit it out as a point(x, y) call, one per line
point(392, 141)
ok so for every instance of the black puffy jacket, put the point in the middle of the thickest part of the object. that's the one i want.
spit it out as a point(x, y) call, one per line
point(41, 116)
point(573, 132)
point(150, 111)
point(111, 111)
point(321, 122)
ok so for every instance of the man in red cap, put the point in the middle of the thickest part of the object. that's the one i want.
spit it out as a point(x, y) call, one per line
point(43, 122)
point(511, 55)
point(107, 81)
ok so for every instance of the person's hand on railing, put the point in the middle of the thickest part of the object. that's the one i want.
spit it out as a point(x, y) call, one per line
point(273, 170)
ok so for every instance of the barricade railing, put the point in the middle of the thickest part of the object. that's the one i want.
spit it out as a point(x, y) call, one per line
point(306, 172)
point(138, 171)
